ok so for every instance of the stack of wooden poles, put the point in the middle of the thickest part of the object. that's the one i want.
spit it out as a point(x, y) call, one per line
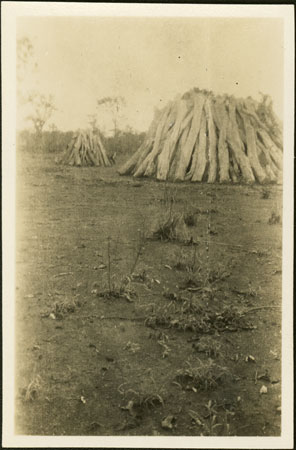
point(202, 137)
point(86, 149)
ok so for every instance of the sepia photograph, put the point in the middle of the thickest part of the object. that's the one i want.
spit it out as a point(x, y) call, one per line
point(147, 225)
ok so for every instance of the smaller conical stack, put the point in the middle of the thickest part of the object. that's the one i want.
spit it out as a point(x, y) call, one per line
point(86, 149)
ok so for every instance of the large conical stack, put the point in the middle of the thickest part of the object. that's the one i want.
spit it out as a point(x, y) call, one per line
point(202, 137)
point(86, 149)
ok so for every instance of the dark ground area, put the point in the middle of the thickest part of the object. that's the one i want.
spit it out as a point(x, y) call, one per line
point(122, 334)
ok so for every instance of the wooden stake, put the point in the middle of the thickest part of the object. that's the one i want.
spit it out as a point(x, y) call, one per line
point(187, 150)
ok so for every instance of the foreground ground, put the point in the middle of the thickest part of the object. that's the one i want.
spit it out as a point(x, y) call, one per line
point(120, 332)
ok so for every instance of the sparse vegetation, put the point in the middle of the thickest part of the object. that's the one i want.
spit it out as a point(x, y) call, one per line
point(265, 193)
point(202, 278)
point(123, 289)
point(185, 314)
point(64, 307)
point(190, 219)
point(207, 345)
point(169, 196)
point(186, 303)
point(274, 219)
point(167, 228)
point(33, 389)
point(141, 401)
point(139, 249)
point(204, 376)
point(187, 261)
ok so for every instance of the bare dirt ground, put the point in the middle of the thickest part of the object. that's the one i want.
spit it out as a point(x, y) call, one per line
point(188, 335)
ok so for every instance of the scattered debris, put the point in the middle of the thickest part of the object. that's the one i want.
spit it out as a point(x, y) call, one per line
point(94, 426)
point(62, 274)
point(265, 193)
point(166, 349)
point(274, 219)
point(132, 347)
point(168, 422)
point(263, 389)
point(208, 346)
point(264, 376)
point(130, 408)
point(36, 347)
point(275, 355)
point(33, 389)
point(190, 219)
point(195, 418)
point(205, 376)
point(128, 424)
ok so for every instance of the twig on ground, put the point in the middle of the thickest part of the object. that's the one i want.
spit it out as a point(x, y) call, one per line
point(62, 274)
point(109, 265)
point(260, 307)
point(95, 316)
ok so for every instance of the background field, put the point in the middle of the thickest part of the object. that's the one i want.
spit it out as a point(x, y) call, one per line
point(191, 330)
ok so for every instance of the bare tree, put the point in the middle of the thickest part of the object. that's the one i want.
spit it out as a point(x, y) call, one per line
point(113, 106)
point(25, 57)
point(52, 127)
point(25, 65)
point(93, 122)
point(43, 108)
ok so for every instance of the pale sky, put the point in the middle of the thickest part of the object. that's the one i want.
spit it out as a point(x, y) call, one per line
point(149, 61)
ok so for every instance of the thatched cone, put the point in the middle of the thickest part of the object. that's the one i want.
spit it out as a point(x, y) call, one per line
point(202, 137)
point(86, 149)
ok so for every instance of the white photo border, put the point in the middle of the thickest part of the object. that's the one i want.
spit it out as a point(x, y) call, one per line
point(10, 12)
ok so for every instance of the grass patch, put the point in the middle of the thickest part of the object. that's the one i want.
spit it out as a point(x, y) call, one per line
point(191, 314)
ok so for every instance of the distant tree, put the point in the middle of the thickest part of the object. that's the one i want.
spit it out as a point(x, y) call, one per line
point(35, 107)
point(52, 127)
point(25, 57)
point(43, 108)
point(26, 64)
point(267, 115)
point(93, 123)
point(113, 106)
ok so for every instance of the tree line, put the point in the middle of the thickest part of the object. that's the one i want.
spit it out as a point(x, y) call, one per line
point(42, 107)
